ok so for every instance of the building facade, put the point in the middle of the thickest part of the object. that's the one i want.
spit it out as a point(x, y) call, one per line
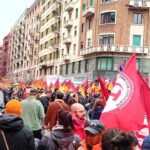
point(16, 54)
point(32, 42)
point(49, 54)
point(110, 31)
point(79, 38)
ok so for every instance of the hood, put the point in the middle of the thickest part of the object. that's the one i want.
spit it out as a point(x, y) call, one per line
point(11, 123)
point(62, 137)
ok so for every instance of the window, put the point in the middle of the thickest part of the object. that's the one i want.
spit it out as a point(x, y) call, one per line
point(73, 67)
point(104, 64)
point(83, 7)
point(61, 69)
point(62, 52)
point(89, 42)
point(137, 18)
point(108, 17)
point(81, 46)
point(76, 15)
point(75, 30)
point(106, 39)
point(79, 66)
point(82, 27)
point(105, 1)
point(86, 65)
point(89, 23)
point(91, 2)
point(136, 40)
point(67, 66)
point(74, 49)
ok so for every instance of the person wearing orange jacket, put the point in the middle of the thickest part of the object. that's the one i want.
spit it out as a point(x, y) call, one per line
point(93, 136)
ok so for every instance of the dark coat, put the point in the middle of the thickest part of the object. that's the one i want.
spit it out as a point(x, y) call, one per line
point(60, 139)
point(146, 143)
point(45, 103)
point(18, 137)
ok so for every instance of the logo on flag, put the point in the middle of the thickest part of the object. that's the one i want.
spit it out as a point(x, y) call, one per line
point(120, 94)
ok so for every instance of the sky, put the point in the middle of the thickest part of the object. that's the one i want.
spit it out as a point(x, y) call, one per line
point(10, 11)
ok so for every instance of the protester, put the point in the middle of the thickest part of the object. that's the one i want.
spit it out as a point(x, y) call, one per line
point(115, 139)
point(54, 107)
point(79, 118)
point(12, 128)
point(44, 100)
point(146, 143)
point(97, 109)
point(62, 136)
point(93, 136)
point(33, 114)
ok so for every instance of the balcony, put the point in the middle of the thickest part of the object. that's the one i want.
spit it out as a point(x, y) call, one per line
point(112, 48)
point(66, 57)
point(67, 40)
point(50, 62)
point(68, 23)
point(139, 4)
point(43, 64)
point(55, 46)
point(88, 12)
point(69, 6)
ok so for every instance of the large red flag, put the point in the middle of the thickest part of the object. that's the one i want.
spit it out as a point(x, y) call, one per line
point(104, 91)
point(124, 108)
point(145, 93)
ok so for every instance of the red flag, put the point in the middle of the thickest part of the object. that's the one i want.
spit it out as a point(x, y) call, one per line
point(104, 91)
point(145, 93)
point(57, 84)
point(85, 84)
point(124, 108)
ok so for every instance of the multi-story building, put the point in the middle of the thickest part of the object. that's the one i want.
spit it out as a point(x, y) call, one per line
point(49, 37)
point(70, 40)
point(5, 54)
point(31, 43)
point(110, 31)
point(16, 54)
point(1, 62)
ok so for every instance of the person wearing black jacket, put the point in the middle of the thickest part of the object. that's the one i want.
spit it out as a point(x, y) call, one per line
point(18, 137)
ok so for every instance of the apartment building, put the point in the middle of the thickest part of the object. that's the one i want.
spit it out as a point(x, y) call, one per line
point(1, 62)
point(5, 55)
point(16, 51)
point(70, 39)
point(110, 31)
point(32, 42)
point(49, 54)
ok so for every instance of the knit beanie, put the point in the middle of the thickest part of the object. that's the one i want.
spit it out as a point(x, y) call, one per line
point(146, 143)
point(14, 107)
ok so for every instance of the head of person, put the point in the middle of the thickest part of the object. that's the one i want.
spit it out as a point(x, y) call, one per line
point(59, 95)
point(33, 92)
point(64, 118)
point(117, 139)
point(93, 133)
point(79, 110)
point(146, 143)
point(48, 94)
point(14, 107)
point(98, 102)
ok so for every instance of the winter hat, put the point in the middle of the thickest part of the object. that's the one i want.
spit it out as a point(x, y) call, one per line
point(14, 107)
point(146, 143)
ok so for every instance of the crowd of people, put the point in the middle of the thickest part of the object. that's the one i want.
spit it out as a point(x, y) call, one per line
point(32, 119)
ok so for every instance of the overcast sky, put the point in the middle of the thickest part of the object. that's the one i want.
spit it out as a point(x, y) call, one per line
point(10, 11)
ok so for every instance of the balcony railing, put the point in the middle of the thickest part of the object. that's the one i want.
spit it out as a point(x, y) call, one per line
point(68, 23)
point(66, 57)
point(112, 48)
point(50, 62)
point(67, 40)
point(89, 11)
point(141, 4)
point(43, 64)
point(69, 6)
